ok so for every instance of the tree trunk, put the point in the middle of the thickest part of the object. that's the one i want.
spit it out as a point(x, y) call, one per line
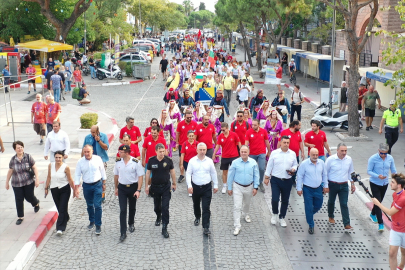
point(353, 95)
point(258, 47)
point(245, 43)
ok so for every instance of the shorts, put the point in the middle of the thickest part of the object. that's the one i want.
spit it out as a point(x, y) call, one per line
point(40, 129)
point(397, 239)
point(359, 107)
point(164, 70)
point(235, 77)
point(369, 112)
point(226, 163)
point(31, 81)
point(278, 81)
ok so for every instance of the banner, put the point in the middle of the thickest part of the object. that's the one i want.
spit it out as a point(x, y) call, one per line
point(270, 72)
point(207, 94)
point(117, 49)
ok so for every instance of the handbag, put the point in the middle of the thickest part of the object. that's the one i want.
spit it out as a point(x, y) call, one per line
point(30, 170)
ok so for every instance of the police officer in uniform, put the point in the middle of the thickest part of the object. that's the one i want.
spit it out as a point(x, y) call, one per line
point(161, 167)
point(128, 176)
point(393, 121)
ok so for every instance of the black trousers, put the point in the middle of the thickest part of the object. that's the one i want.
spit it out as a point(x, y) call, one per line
point(378, 193)
point(126, 198)
point(244, 102)
point(391, 135)
point(161, 199)
point(295, 108)
point(61, 198)
point(24, 192)
point(203, 195)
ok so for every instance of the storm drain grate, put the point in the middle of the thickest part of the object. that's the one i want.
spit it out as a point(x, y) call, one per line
point(349, 249)
point(295, 225)
point(307, 248)
point(323, 226)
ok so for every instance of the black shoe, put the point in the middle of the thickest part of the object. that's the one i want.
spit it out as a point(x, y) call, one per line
point(35, 90)
point(196, 222)
point(367, 128)
point(207, 231)
point(28, 93)
point(131, 228)
point(19, 221)
point(164, 231)
point(158, 220)
point(123, 236)
point(91, 226)
point(370, 127)
point(181, 179)
point(98, 230)
point(311, 230)
point(36, 208)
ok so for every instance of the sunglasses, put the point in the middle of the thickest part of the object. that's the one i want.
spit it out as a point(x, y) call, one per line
point(154, 122)
point(189, 117)
point(240, 115)
point(384, 154)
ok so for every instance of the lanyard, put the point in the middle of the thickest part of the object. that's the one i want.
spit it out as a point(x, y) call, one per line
point(39, 104)
point(51, 108)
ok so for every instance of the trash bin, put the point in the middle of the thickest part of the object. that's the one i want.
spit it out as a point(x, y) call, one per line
point(141, 71)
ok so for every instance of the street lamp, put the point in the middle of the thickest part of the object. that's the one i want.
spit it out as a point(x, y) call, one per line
point(140, 23)
point(332, 64)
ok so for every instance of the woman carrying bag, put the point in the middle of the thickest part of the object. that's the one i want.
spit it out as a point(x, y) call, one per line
point(24, 174)
point(60, 182)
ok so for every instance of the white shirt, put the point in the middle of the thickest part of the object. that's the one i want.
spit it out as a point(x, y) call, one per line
point(296, 97)
point(244, 93)
point(128, 173)
point(339, 170)
point(202, 172)
point(58, 178)
point(91, 170)
point(279, 162)
point(57, 142)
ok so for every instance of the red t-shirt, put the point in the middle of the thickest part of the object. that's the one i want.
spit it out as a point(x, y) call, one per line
point(134, 151)
point(204, 134)
point(361, 92)
point(229, 144)
point(398, 220)
point(148, 131)
point(134, 133)
point(39, 109)
point(317, 139)
point(279, 73)
point(31, 70)
point(257, 141)
point(189, 150)
point(295, 140)
point(240, 130)
point(183, 128)
point(149, 144)
point(52, 110)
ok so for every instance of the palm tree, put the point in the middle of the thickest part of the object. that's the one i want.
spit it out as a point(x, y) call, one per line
point(188, 7)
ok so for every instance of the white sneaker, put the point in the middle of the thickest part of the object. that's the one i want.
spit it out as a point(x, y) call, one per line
point(59, 232)
point(190, 195)
point(274, 219)
point(224, 189)
point(247, 219)
point(236, 231)
point(283, 223)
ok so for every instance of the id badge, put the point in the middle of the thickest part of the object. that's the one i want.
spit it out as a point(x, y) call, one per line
point(50, 114)
point(37, 113)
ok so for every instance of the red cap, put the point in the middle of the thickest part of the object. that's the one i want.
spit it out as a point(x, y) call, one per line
point(194, 73)
point(171, 89)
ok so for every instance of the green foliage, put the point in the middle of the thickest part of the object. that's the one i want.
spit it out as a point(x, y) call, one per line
point(202, 6)
point(87, 120)
point(201, 18)
point(128, 69)
point(122, 65)
point(321, 33)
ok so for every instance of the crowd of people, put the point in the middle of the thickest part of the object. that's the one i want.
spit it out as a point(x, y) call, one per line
point(257, 145)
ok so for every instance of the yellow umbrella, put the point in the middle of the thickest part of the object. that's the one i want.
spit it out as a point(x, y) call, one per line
point(44, 45)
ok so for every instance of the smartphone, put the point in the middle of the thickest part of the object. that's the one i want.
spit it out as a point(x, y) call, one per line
point(173, 190)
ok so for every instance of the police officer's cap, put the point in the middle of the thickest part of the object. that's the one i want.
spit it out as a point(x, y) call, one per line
point(125, 148)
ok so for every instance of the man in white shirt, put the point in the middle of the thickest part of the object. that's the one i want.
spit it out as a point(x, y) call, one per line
point(246, 65)
point(200, 173)
point(91, 168)
point(57, 140)
point(243, 91)
point(281, 166)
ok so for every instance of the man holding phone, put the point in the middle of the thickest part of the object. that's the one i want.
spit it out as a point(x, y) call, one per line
point(161, 166)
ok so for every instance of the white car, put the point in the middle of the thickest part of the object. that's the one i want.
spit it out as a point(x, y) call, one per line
point(142, 41)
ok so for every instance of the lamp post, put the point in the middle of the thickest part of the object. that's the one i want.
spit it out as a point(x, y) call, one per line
point(332, 64)
point(85, 33)
point(140, 23)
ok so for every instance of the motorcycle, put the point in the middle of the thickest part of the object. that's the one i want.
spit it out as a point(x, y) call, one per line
point(338, 120)
point(86, 70)
point(110, 73)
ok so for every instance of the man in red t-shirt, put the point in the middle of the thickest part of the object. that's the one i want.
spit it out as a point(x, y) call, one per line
point(31, 71)
point(230, 144)
point(397, 212)
point(38, 117)
point(53, 110)
point(132, 131)
point(205, 133)
point(296, 144)
point(239, 126)
point(149, 144)
point(258, 142)
point(317, 139)
point(362, 92)
point(134, 148)
point(279, 75)
point(181, 136)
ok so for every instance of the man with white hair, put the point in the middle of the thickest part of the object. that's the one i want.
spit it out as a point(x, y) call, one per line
point(200, 173)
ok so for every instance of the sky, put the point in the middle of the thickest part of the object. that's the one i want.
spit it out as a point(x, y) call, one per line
point(209, 4)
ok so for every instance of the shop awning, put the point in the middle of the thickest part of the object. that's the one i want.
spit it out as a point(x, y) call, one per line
point(44, 45)
point(378, 76)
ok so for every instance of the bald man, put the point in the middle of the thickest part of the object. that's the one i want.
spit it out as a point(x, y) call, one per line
point(312, 181)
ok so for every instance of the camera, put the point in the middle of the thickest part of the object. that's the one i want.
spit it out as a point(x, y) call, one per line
point(355, 176)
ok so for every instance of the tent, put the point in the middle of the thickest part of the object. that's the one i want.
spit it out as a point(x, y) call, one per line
point(44, 45)
point(381, 76)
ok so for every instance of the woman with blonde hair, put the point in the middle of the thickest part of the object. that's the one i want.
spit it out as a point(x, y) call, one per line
point(169, 133)
point(174, 114)
point(199, 112)
point(273, 126)
point(247, 116)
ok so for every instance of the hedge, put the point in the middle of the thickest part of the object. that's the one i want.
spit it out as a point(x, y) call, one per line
point(87, 120)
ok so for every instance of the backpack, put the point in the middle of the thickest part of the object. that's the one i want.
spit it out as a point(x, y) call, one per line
point(75, 93)
point(234, 125)
point(299, 93)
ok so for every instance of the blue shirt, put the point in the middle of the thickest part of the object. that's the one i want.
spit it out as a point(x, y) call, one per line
point(339, 170)
point(377, 166)
point(6, 72)
point(243, 172)
point(91, 170)
point(312, 175)
point(100, 151)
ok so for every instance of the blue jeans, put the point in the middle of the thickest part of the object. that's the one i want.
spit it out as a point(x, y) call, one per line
point(321, 157)
point(56, 94)
point(93, 194)
point(261, 162)
point(341, 190)
point(283, 188)
point(92, 72)
point(68, 86)
point(313, 199)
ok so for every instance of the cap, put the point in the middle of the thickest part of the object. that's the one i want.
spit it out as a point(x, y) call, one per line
point(124, 147)
point(292, 59)
point(392, 102)
point(194, 73)
point(171, 89)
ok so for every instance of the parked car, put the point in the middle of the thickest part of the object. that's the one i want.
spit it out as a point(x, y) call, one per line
point(136, 58)
point(146, 47)
point(146, 55)
point(142, 41)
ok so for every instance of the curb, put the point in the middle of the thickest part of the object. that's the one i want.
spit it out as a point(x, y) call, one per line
point(39, 85)
point(121, 83)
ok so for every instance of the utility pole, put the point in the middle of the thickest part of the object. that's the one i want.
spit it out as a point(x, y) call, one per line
point(332, 63)
point(85, 33)
point(140, 22)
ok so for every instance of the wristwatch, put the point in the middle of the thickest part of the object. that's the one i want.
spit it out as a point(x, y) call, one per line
point(139, 190)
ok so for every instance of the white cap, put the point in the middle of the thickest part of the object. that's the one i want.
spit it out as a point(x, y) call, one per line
point(392, 102)
point(292, 59)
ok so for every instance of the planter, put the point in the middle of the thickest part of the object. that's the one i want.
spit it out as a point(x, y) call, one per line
point(81, 135)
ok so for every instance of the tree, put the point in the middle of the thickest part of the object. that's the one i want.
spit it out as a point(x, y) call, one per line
point(202, 6)
point(224, 20)
point(201, 18)
point(188, 7)
point(355, 46)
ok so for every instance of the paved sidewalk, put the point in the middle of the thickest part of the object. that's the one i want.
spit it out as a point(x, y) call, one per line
point(13, 237)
